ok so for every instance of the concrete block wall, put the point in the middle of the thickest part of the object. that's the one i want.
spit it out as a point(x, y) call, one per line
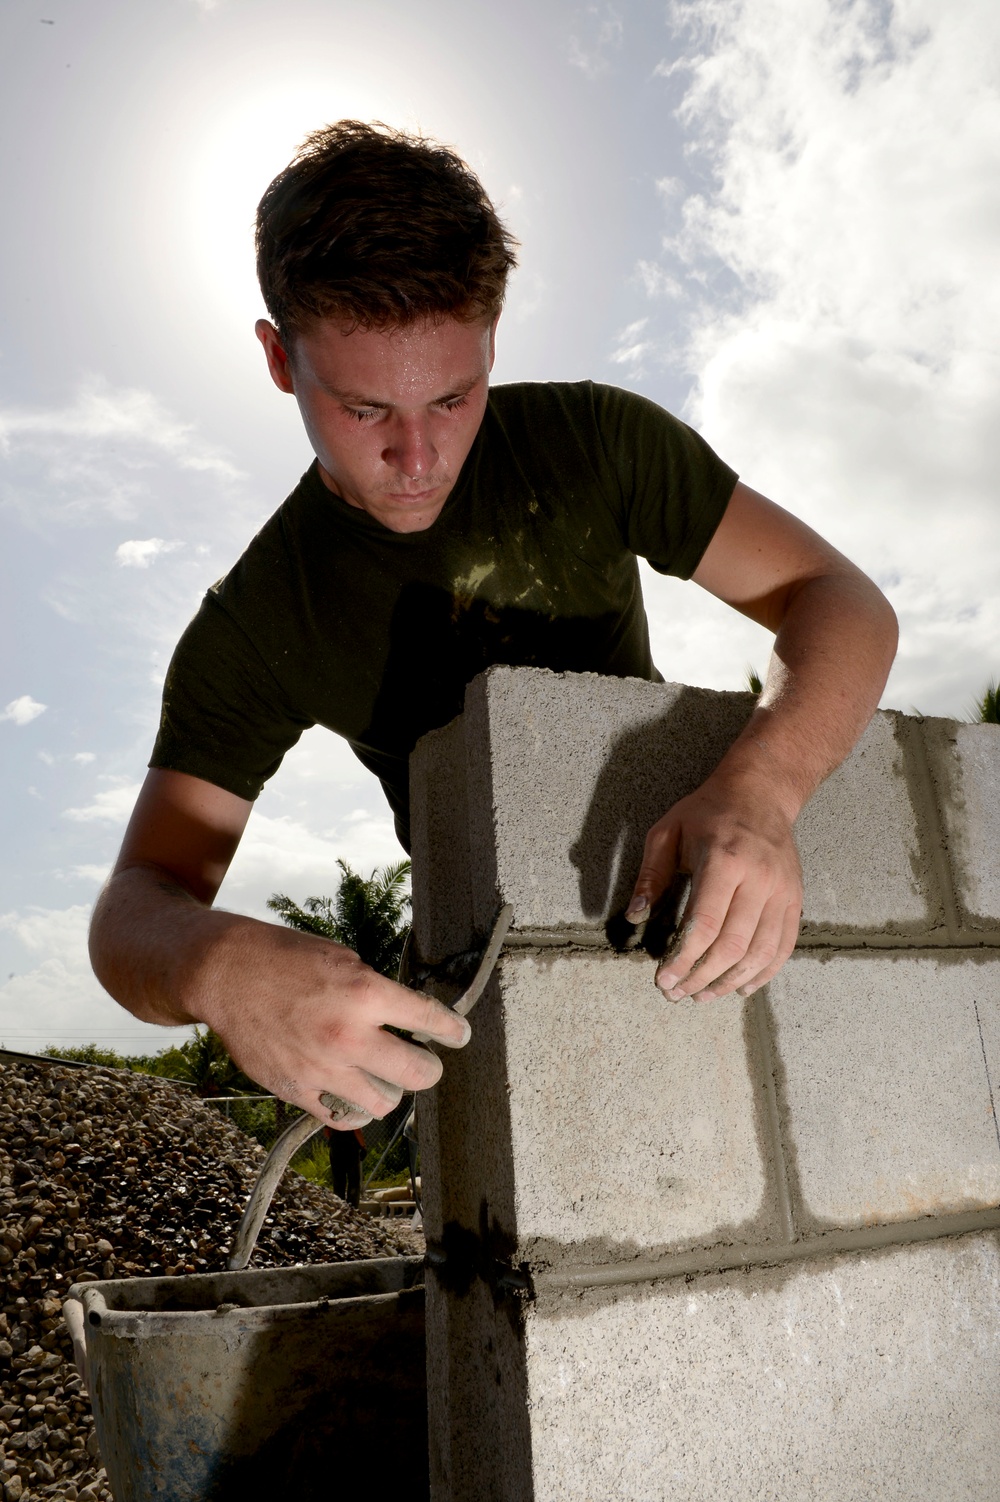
point(744, 1249)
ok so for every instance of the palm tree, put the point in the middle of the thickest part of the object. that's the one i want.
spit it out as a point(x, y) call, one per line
point(987, 709)
point(367, 914)
point(204, 1062)
point(753, 680)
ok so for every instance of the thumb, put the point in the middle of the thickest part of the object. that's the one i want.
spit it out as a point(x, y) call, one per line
point(659, 865)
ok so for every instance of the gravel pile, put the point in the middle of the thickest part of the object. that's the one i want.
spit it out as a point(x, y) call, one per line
point(105, 1174)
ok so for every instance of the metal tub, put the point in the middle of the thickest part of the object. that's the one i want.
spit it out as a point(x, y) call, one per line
point(283, 1382)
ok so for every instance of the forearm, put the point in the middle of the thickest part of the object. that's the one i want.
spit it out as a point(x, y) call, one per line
point(832, 653)
point(153, 946)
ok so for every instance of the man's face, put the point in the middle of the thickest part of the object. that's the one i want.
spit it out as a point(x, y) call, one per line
point(391, 415)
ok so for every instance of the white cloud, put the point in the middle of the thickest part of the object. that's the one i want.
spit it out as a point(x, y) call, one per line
point(282, 854)
point(58, 999)
point(84, 757)
point(138, 553)
point(631, 348)
point(98, 874)
point(94, 458)
point(602, 30)
point(23, 710)
point(850, 369)
point(112, 806)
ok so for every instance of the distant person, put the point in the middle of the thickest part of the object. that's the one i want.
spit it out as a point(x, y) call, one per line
point(443, 527)
point(347, 1152)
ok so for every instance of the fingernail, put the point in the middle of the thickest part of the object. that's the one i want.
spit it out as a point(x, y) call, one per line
point(637, 910)
point(468, 1031)
point(666, 981)
point(676, 994)
point(746, 990)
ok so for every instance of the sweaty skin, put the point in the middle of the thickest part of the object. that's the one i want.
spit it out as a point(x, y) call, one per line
point(391, 416)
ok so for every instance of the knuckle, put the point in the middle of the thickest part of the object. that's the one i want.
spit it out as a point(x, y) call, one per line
point(733, 947)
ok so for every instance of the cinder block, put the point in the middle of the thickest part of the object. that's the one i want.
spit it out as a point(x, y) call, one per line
point(567, 773)
point(635, 1123)
point(882, 1085)
point(842, 1380)
point(988, 1015)
point(439, 834)
point(965, 765)
point(865, 853)
point(607, 1123)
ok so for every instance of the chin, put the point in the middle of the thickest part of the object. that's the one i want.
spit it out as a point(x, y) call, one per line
point(410, 521)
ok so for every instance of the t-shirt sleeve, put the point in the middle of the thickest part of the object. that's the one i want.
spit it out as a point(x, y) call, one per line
point(224, 718)
point(673, 488)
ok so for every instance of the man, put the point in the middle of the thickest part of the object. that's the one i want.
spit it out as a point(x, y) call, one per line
point(443, 528)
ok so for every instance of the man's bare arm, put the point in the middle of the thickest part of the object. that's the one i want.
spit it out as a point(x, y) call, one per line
point(299, 1014)
point(834, 644)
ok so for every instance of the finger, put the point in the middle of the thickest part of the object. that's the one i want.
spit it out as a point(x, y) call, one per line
point(342, 1095)
point(659, 865)
point(387, 1089)
point(789, 939)
point(759, 954)
point(398, 1063)
point(708, 907)
point(418, 1013)
point(343, 1113)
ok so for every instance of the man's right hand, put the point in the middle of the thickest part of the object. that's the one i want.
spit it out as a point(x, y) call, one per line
point(305, 1018)
point(299, 1014)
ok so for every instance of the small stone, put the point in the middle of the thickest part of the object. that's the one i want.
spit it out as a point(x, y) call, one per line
point(12, 1489)
point(93, 1448)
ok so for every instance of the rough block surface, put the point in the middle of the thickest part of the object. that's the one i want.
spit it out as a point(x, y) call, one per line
point(565, 774)
point(965, 764)
point(634, 1122)
point(873, 1376)
point(608, 1124)
point(883, 1085)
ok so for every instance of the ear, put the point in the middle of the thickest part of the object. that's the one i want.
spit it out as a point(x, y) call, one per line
point(278, 362)
point(493, 341)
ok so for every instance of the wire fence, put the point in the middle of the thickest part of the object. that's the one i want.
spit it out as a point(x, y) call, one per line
point(386, 1150)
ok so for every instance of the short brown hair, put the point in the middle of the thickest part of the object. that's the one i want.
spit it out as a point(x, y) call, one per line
point(376, 228)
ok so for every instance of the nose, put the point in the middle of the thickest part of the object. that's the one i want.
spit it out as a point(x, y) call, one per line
point(411, 448)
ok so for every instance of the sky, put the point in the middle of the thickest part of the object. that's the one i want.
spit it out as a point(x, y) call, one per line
point(778, 218)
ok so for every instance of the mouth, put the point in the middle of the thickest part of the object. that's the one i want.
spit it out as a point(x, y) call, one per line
point(413, 496)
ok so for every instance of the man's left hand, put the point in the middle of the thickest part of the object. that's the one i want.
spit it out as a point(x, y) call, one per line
point(741, 920)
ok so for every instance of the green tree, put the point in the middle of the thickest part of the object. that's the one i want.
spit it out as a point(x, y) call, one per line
point(753, 680)
point(201, 1061)
point(92, 1053)
point(204, 1062)
point(368, 914)
point(987, 709)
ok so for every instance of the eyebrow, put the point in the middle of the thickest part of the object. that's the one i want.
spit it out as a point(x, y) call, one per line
point(356, 399)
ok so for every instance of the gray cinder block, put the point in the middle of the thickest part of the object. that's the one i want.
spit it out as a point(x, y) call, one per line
point(608, 1123)
point(592, 1132)
point(883, 1085)
point(843, 1380)
point(965, 765)
point(565, 774)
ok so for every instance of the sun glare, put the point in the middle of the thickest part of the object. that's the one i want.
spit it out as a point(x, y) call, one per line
point(248, 143)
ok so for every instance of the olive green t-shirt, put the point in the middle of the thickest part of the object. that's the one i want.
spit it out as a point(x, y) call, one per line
point(330, 618)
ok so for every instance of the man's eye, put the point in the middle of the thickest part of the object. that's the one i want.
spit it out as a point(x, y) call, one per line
point(363, 414)
point(455, 403)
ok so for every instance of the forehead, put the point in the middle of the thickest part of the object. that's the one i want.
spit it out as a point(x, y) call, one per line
point(412, 363)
